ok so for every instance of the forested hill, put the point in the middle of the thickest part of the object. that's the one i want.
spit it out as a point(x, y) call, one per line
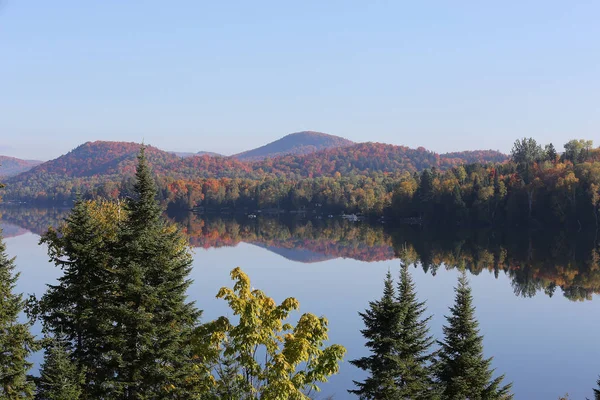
point(101, 158)
point(298, 143)
point(118, 158)
point(10, 166)
point(104, 168)
point(478, 156)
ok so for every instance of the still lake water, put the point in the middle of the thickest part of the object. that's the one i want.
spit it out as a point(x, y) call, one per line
point(535, 296)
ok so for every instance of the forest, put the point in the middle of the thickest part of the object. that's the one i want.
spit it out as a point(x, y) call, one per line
point(535, 187)
point(117, 325)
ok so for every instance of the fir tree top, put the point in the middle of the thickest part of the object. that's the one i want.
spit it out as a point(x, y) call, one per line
point(144, 208)
point(463, 370)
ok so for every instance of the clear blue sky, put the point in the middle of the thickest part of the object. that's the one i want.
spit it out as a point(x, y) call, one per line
point(227, 76)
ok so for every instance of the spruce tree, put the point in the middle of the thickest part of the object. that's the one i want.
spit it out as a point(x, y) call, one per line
point(381, 321)
point(79, 307)
point(60, 378)
point(16, 341)
point(154, 320)
point(597, 391)
point(414, 358)
point(463, 371)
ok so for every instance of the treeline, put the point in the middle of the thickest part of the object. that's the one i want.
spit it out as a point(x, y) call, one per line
point(106, 169)
point(536, 188)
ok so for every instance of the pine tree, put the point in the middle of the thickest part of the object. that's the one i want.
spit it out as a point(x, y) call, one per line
point(154, 320)
point(463, 371)
point(597, 391)
point(16, 341)
point(414, 358)
point(79, 306)
point(381, 321)
point(60, 378)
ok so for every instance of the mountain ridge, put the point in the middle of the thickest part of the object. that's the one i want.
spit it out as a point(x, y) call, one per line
point(298, 143)
point(106, 169)
point(12, 166)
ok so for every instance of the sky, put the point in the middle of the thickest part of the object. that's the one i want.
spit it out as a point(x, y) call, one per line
point(227, 76)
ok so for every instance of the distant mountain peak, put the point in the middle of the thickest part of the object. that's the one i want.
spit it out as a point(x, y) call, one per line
point(298, 143)
point(11, 166)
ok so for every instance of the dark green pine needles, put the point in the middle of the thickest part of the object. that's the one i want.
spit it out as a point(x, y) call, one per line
point(399, 366)
point(463, 371)
point(79, 308)
point(60, 378)
point(16, 342)
point(121, 302)
point(155, 320)
point(414, 358)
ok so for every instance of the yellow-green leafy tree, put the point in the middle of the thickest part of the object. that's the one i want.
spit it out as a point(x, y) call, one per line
point(262, 356)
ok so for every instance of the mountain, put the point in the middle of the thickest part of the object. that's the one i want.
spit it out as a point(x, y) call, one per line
point(184, 154)
point(101, 158)
point(10, 166)
point(106, 168)
point(299, 143)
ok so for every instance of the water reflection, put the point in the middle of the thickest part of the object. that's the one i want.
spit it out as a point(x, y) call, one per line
point(536, 262)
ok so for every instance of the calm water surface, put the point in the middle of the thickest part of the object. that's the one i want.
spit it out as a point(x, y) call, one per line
point(546, 345)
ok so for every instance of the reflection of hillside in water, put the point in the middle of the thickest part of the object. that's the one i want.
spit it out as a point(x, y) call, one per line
point(535, 262)
point(31, 219)
point(10, 230)
point(297, 240)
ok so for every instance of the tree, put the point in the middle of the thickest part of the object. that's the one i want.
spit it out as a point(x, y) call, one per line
point(16, 341)
point(414, 358)
point(60, 378)
point(79, 308)
point(550, 153)
point(526, 151)
point(597, 391)
point(153, 321)
point(262, 357)
point(382, 322)
point(577, 151)
point(463, 371)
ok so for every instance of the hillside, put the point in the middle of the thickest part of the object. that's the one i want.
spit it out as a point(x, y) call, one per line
point(299, 143)
point(184, 154)
point(477, 156)
point(10, 166)
point(101, 158)
point(106, 168)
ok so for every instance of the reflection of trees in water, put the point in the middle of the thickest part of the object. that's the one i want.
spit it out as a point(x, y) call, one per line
point(36, 220)
point(535, 262)
point(331, 237)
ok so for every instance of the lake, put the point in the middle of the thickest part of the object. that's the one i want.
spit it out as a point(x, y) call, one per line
point(535, 293)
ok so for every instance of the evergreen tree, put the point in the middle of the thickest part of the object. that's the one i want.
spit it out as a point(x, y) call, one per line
point(79, 306)
point(382, 321)
point(597, 391)
point(463, 371)
point(154, 320)
point(16, 341)
point(414, 358)
point(60, 378)
point(551, 153)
